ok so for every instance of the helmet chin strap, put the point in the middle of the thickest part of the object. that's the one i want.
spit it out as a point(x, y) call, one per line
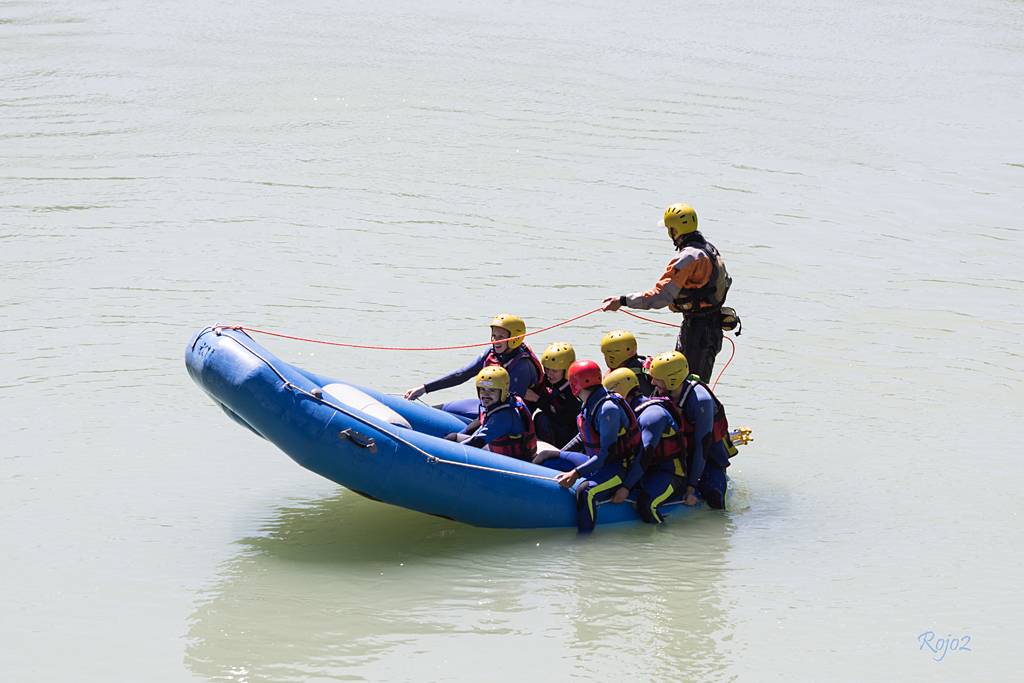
point(681, 241)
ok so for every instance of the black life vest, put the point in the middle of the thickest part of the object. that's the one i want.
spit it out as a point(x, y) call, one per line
point(521, 351)
point(522, 446)
point(672, 444)
point(712, 295)
point(561, 402)
point(638, 364)
point(719, 426)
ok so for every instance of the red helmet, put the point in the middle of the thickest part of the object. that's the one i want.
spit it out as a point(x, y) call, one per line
point(584, 374)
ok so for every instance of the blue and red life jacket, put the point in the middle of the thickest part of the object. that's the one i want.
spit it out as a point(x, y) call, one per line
point(519, 352)
point(719, 427)
point(629, 441)
point(672, 445)
point(521, 446)
point(711, 296)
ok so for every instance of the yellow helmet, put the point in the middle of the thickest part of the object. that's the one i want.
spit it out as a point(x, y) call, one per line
point(618, 347)
point(514, 325)
point(680, 219)
point(558, 356)
point(494, 377)
point(621, 381)
point(671, 368)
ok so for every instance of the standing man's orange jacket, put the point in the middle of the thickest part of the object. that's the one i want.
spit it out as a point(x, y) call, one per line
point(691, 269)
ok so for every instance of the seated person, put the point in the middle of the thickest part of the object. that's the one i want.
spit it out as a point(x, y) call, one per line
point(704, 425)
point(554, 401)
point(619, 350)
point(507, 350)
point(503, 425)
point(657, 474)
point(610, 436)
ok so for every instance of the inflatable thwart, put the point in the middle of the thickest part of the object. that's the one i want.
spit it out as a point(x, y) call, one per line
point(380, 446)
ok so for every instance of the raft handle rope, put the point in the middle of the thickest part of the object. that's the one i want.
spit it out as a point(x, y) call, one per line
point(358, 439)
point(317, 395)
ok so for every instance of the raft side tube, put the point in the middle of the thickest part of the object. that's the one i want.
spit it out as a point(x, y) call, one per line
point(403, 469)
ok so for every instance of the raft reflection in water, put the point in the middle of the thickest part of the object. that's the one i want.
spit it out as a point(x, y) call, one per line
point(342, 587)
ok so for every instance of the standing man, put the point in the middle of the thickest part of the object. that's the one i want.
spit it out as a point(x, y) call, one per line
point(695, 284)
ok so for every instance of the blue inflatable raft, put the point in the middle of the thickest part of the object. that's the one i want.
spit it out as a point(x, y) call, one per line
point(380, 446)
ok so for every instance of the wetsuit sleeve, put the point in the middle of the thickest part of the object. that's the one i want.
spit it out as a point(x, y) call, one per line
point(609, 422)
point(690, 270)
point(521, 375)
point(653, 422)
point(498, 425)
point(454, 379)
point(700, 412)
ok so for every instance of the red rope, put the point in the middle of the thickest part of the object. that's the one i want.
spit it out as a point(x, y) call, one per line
point(411, 348)
point(470, 346)
point(650, 320)
point(722, 371)
point(662, 322)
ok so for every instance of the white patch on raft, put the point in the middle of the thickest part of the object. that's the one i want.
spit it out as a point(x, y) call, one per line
point(362, 401)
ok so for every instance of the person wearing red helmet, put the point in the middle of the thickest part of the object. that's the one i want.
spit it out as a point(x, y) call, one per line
point(610, 436)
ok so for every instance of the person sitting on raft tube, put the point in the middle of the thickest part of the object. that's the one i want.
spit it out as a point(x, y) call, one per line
point(503, 425)
point(556, 405)
point(619, 350)
point(659, 470)
point(705, 428)
point(695, 283)
point(611, 438)
point(507, 350)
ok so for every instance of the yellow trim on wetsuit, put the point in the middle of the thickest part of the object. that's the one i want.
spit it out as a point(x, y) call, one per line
point(594, 490)
point(659, 500)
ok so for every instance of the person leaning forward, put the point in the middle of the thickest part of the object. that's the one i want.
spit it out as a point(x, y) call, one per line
point(704, 425)
point(695, 283)
point(610, 437)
